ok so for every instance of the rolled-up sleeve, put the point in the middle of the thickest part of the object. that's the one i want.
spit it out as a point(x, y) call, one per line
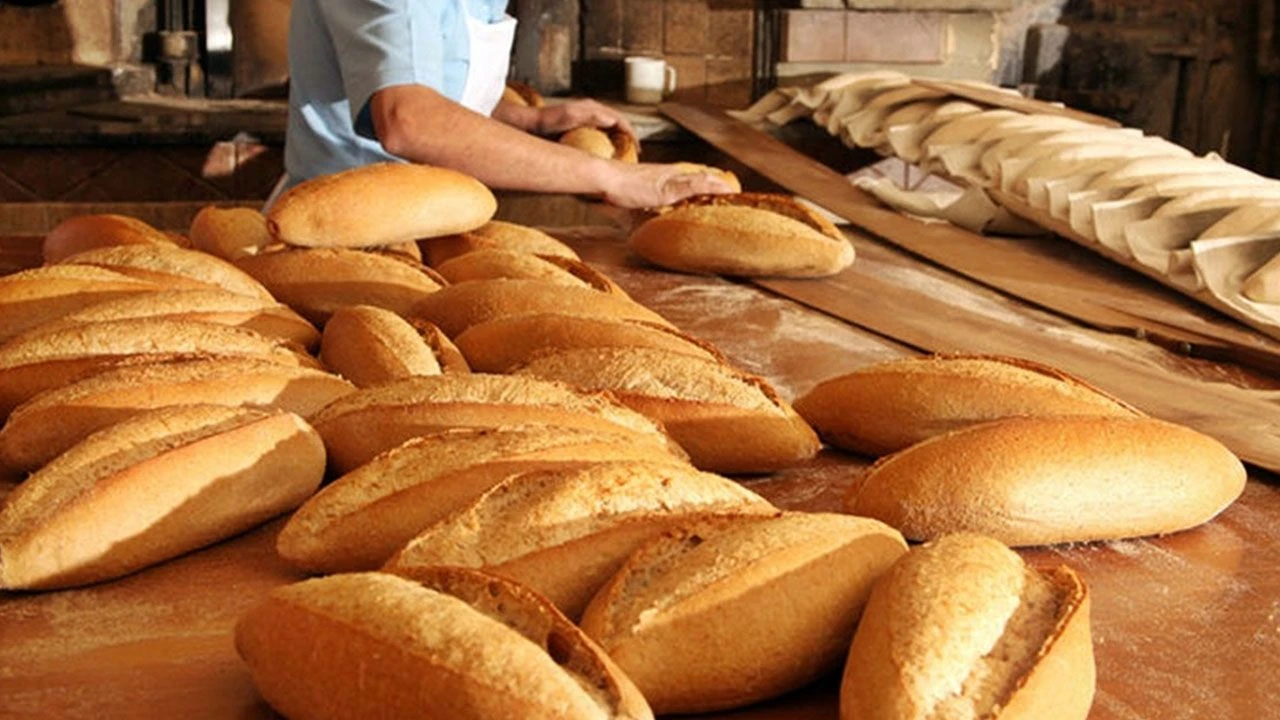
point(381, 43)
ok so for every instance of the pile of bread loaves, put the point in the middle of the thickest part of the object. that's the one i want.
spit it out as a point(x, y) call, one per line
point(527, 513)
point(1140, 196)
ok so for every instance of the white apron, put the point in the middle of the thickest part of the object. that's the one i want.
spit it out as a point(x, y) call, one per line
point(489, 59)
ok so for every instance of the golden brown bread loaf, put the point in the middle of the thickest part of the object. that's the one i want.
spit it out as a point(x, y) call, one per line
point(1040, 481)
point(86, 232)
point(172, 266)
point(49, 423)
point(747, 234)
point(32, 297)
point(727, 176)
point(458, 307)
point(448, 643)
point(316, 282)
point(37, 361)
point(494, 235)
point(961, 628)
point(218, 307)
point(718, 615)
point(361, 425)
point(611, 143)
point(522, 94)
point(889, 406)
point(362, 518)
point(369, 345)
point(728, 421)
point(494, 264)
point(380, 204)
point(501, 344)
point(154, 487)
point(565, 532)
point(229, 233)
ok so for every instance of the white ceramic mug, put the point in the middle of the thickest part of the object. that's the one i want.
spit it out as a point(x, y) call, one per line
point(648, 80)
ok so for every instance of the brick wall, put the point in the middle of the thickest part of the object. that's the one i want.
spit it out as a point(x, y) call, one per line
point(708, 42)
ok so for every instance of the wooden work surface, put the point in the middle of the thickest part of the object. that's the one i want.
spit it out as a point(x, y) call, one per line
point(1186, 626)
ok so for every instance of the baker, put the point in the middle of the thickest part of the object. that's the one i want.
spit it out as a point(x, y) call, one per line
point(378, 80)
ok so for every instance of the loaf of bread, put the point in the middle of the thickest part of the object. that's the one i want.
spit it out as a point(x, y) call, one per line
point(218, 307)
point(171, 266)
point(362, 518)
point(447, 643)
point(518, 93)
point(361, 425)
point(32, 297)
point(316, 282)
point(369, 345)
point(727, 420)
point(747, 234)
point(611, 143)
point(50, 423)
point(154, 487)
point(565, 532)
point(962, 628)
point(722, 614)
point(405, 249)
point(494, 235)
point(86, 232)
point(1040, 481)
point(380, 204)
point(697, 168)
point(503, 343)
point(37, 361)
point(886, 407)
point(229, 233)
point(458, 307)
point(494, 264)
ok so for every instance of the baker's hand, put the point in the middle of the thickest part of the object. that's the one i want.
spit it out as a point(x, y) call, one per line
point(562, 117)
point(649, 185)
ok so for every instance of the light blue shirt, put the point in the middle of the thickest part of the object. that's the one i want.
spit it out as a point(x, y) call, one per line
point(342, 51)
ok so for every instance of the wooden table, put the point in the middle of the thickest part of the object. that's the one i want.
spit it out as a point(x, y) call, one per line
point(1186, 626)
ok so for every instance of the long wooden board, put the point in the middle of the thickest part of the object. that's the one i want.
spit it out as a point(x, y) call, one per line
point(1094, 292)
point(1247, 421)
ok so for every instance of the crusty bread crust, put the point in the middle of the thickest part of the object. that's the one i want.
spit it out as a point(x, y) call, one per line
point(153, 487)
point(522, 94)
point(610, 143)
point(365, 516)
point(565, 532)
point(369, 345)
point(745, 234)
point(218, 307)
point(50, 423)
point(37, 361)
point(361, 425)
point(86, 232)
point(961, 628)
point(890, 406)
point(159, 262)
point(380, 204)
point(1040, 481)
point(229, 233)
point(32, 297)
point(501, 344)
point(727, 420)
point(494, 235)
point(316, 282)
point(722, 614)
point(458, 307)
point(450, 643)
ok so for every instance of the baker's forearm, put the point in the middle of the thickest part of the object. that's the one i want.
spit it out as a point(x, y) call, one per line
point(418, 124)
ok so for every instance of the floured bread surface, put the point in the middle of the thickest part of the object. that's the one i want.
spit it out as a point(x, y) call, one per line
point(890, 406)
point(957, 629)
point(371, 644)
point(745, 234)
point(728, 421)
